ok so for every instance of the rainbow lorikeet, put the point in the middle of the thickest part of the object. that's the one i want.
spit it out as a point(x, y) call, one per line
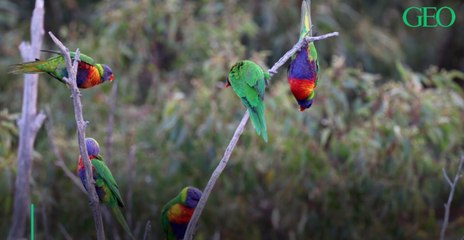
point(176, 214)
point(105, 185)
point(304, 66)
point(89, 73)
point(249, 81)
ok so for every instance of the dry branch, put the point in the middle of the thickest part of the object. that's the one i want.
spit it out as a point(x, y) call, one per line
point(81, 125)
point(147, 232)
point(29, 124)
point(64, 232)
point(238, 132)
point(450, 197)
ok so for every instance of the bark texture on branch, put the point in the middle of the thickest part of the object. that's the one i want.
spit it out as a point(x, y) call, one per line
point(447, 205)
point(29, 124)
point(238, 132)
point(81, 126)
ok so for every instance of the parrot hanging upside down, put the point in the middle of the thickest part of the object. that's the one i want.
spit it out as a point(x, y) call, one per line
point(89, 73)
point(248, 81)
point(105, 185)
point(176, 214)
point(304, 66)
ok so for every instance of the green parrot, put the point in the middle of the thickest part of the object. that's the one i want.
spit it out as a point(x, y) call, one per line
point(176, 214)
point(105, 185)
point(89, 73)
point(248, 81)
point(304, 66)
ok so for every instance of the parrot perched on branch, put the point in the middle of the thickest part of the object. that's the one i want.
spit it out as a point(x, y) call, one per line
point(105, 185)
point(176, 214)
point(248, 81)
point(89, 73)
point(304, 66)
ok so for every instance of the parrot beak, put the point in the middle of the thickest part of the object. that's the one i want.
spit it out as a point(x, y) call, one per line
point(227, 83)
point(302, 109)
point(111, 78)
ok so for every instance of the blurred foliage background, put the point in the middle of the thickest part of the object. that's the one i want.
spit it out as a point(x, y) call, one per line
point(363, 163)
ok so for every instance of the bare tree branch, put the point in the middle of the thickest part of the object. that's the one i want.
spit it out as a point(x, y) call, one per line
point(81, 125)
point(29, 124)
point(59, 158)
point(147, 232)
point(301, 43)
point(450, 197)
point(238, 132)
point(445, 175)
point(64, 232)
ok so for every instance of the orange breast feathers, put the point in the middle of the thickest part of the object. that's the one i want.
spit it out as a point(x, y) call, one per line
point(179, 214)
point(301, 89)
point(93, 76)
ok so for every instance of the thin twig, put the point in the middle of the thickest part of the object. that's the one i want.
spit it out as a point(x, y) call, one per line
point(238, 131)
point(81, 125)
point(450, 197)
point(445, 175)
point(64, 232)
point(146, 234)
point(301, 43)
point(59, 158)
point(29, 124)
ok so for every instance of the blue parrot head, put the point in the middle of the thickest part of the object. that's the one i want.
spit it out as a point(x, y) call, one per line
point(304, 104)
point(93, 149)
point(107, 73)
point(192, 196)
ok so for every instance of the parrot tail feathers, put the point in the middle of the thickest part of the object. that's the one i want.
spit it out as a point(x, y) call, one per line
point(306, 25)
point(28, 67)
point(257, 118)
point(120, 218)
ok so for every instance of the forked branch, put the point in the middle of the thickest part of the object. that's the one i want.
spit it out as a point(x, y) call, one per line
point(450, 197)
point(81, 125)
point(238, 132)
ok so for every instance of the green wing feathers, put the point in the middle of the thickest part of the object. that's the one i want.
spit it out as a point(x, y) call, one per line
point(164, 218)
point(306, 19)
point(257, 118)
point(120, 218)
point(104, 173)
point(82, 57)
point(114, 201)
point(249, 82)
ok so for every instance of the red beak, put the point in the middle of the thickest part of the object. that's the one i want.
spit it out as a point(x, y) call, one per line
point(302, 109)
point(111, 77)
point(227, 84)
